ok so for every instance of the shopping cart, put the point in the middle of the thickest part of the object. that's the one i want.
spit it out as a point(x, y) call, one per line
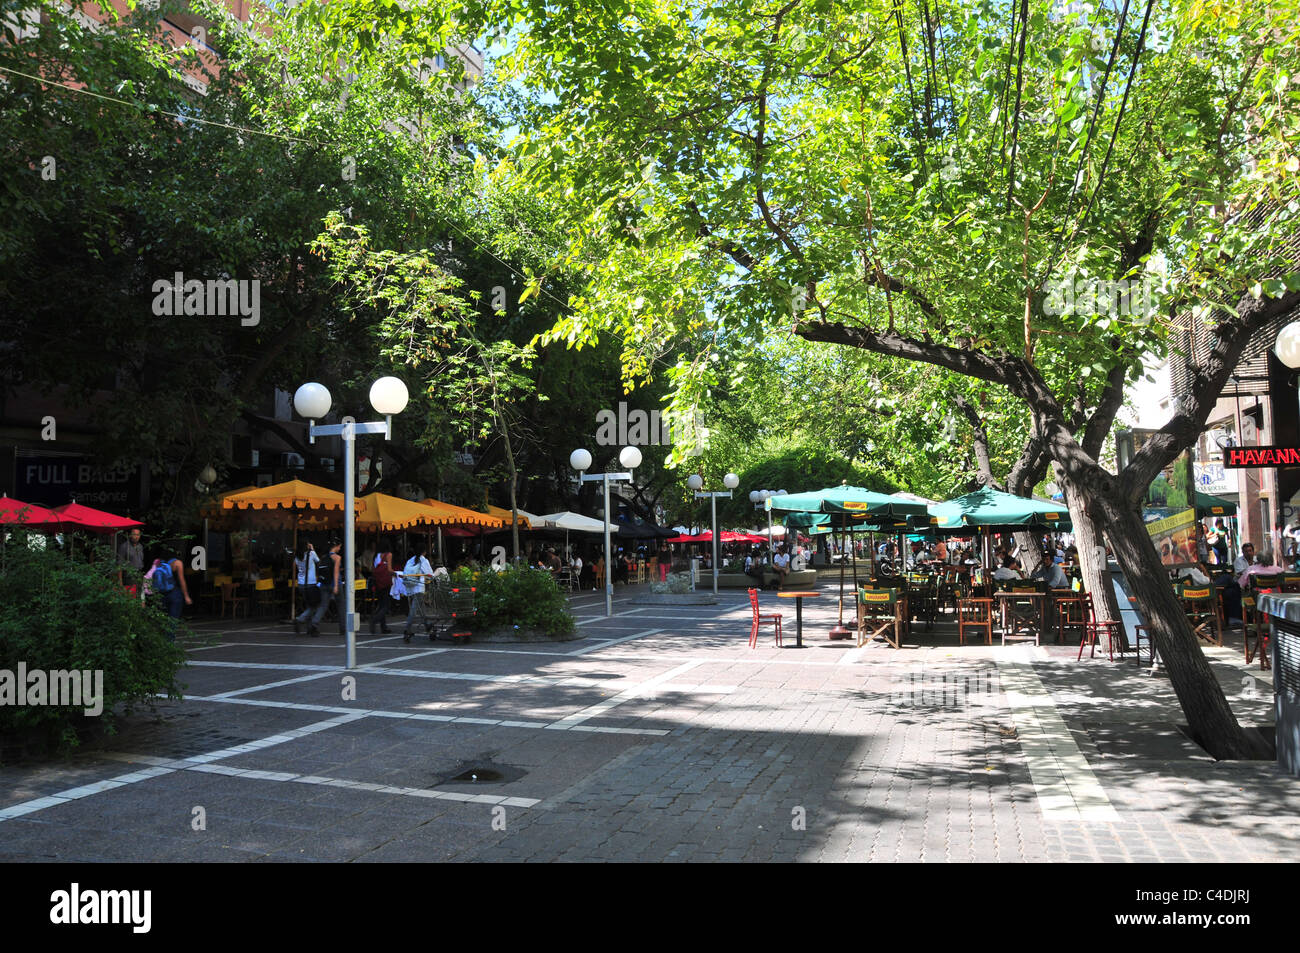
point(451, 610)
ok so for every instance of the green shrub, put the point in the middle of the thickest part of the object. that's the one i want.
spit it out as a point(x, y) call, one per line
point(517, 596)
point(64, 613)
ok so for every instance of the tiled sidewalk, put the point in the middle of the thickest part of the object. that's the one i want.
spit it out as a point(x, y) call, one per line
point(659, 735)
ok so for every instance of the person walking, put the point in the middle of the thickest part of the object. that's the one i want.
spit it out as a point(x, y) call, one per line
point(381, 581)
point(167, 579)
point(416, 574)
point(306, 566)
point(327, 581)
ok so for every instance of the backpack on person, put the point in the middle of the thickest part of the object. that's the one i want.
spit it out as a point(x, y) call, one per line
point(163, 579)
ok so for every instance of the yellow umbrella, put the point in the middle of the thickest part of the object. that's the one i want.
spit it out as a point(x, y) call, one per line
point(506, 519)
point(213, 510)
point(290, 495)
point(384, 512)
point(293, 504)
point(449, 515)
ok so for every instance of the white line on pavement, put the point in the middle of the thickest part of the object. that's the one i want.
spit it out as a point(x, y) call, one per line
point(423, 716)
point(282, 776)
point(176, 764)
point(646, 687)
point(608, 642)
point(1066, 785)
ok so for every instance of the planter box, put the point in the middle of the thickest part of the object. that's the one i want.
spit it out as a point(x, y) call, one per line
point(738, 580)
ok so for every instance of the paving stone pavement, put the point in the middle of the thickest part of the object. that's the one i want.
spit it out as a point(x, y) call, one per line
point(658, 736)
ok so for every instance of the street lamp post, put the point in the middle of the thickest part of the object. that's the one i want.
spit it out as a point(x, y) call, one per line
point(759, 498)
point(695, 482)
point(388, 396)
point(580, 460)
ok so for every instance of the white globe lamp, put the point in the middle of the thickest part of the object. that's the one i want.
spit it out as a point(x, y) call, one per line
point(630, 457)
point(312, 401)
point(388, 396)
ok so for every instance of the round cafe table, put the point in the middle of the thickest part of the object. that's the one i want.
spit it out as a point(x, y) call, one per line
point(798, 597)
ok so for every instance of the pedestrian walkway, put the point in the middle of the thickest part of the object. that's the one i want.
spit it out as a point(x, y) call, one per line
point(657, 735)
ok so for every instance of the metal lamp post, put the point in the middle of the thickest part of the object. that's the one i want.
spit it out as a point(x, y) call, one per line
point(388, 396)
point(695, 482)
point(759, 498)
point(580, 460)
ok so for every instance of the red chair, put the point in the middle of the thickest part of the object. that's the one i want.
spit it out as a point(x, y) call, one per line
point(773, 618)
point(1092, 629)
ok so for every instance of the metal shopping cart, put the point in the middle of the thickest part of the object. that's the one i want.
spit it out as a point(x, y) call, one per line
point(451, 610)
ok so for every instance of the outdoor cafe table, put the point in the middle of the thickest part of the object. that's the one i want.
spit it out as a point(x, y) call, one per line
point(1021, 614)
point(798, 597)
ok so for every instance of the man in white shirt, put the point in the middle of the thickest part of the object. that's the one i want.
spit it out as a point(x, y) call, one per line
point(415, 574)
point(781, 562)
point(1245, 560)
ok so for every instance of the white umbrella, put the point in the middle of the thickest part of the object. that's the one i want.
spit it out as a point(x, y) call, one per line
point(568, 522)
point(575, 522)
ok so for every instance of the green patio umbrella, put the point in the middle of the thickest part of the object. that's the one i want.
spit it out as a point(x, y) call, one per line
point(1207, 504)
point(848, 509)
point(852, 501)
point(993, 509)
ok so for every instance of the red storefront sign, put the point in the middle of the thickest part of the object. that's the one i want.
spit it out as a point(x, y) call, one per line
point(1246, 457)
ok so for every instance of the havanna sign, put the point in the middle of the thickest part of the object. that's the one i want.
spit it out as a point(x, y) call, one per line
point(1242, 457)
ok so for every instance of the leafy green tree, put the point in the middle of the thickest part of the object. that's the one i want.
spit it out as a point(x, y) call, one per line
point(907, 181)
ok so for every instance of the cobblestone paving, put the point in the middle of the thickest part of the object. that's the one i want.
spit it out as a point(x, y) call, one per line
point(658, 736)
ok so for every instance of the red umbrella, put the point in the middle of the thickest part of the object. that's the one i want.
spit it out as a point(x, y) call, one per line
point(28, 515)
point(94, 519)
point(726, 536)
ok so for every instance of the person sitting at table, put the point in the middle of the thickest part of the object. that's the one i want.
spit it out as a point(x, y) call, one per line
point(781, 564)
point(1050, 573)
point(1008, 570)
point(1194, 575)
point(1263, 565)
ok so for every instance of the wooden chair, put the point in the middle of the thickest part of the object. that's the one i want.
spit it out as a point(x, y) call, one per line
point(1070, 614)
point(1202, 609)
point(923, 598)
point(951, 586)
point(228, 598)
point(975, 612)
point(1094, 627)
point(880, 612)
point(770, 618)
point(265, 596)
point(1254, 623)
point(599, 573)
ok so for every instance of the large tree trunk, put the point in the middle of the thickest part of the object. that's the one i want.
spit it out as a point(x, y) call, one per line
point(1031, 551)
point(1092, 554)
point(1209, 716)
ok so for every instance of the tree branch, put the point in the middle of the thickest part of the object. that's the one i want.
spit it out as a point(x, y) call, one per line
point(981, 446)
point(1230, 338)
